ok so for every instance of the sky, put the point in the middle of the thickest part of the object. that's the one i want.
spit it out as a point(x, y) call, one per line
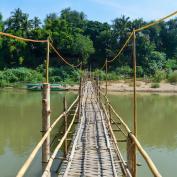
point(100, 10)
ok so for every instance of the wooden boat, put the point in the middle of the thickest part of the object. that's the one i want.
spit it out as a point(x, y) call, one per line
point(53, 87)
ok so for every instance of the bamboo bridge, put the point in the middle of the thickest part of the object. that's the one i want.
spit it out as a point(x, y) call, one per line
point(94, 149)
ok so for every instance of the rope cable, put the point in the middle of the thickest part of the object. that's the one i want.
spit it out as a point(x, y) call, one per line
point(123, 47)
point(21, 38)
point(103, 65)
point(64, 60)
point(140, 29)
point(155, 22)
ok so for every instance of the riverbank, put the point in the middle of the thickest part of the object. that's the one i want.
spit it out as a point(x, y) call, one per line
point(123, 86)
point(141, 86)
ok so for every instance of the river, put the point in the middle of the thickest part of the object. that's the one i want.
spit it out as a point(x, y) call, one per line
point(20, 125)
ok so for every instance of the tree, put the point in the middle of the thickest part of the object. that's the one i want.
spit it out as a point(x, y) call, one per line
point(83, 47)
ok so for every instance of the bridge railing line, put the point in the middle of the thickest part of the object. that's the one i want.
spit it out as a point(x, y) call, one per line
point(144, 154)
point(120, 157)
point(31, 157)
point(48, 167)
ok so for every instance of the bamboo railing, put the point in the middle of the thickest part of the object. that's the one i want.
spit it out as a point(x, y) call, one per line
point(31, 157)
point(131, 140)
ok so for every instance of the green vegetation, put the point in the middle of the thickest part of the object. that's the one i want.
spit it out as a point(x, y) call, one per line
point(155, 85)
point(80, 39)
point(159, 76)
point(172, 78)
point(17, 76)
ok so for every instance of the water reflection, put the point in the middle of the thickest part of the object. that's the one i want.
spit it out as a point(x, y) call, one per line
point(20, 125)
point(157, 127)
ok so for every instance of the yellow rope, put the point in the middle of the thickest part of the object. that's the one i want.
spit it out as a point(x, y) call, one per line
point(64, 60)
point(21, 38)
point(140, 29)
point(103, 65)
point(120, 51)
point(156, 22)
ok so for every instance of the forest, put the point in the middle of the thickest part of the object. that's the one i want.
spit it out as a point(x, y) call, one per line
point(80, 39)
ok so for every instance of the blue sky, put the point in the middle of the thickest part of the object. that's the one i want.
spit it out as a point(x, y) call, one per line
point(101, 10)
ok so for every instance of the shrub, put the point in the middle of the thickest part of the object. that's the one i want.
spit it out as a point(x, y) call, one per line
point(113, 76)
point(101, 74)
point(159, 76)
point(19, 75)
point(3, 83)
point(155, 85)
point(172, 78)
point(124, 71)
point(63, 73)
point(139, 71)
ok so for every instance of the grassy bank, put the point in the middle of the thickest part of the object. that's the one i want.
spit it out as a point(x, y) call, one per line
point(18, 77)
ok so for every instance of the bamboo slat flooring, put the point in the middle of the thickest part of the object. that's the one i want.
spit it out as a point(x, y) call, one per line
point(92, 153)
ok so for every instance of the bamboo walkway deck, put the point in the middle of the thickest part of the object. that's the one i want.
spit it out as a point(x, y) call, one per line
point(92, 153)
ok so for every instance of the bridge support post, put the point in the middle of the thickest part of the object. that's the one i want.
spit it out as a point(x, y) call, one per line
point(66, 125)
point(131, 156)
point(80, 95)
point(134, 99)
point(106, 77)
point(45, 123)
point(110, 115)
point(97, 88)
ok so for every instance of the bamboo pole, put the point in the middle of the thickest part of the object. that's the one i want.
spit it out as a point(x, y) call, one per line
point(131, 148)
point(135, 141)
point(45, 123)
point(106, 77)
point(80, 92)
point(66, 125)
point(110, 113)
point(131, 157)
point(146, 157)
point(48, 167)
point(28, 162)
point(47, 60)
point(134, 86)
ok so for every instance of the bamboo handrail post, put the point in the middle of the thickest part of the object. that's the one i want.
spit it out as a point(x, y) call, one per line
point(134, 101)
point(45, 123)
point(131, 156)
point(97, 87)
point(80, 95)
point(110, 113)
point(47, 60)
point(134, 86)
point(106, 77)
point(66, 125)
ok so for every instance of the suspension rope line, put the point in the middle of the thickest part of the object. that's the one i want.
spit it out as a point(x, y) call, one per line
point(21, 38)
point(156, 22)
point(123, 47)
point(141, 29)
point(63, 59)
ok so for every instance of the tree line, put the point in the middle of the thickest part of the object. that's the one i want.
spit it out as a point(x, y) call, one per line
point(80, 39)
